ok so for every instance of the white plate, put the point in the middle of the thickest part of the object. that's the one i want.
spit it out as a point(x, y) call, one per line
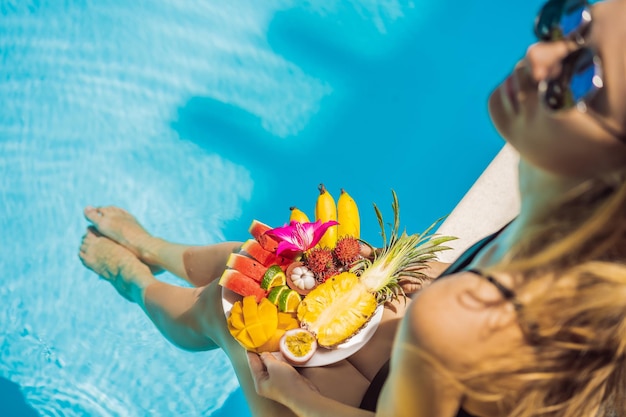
point(323, 356)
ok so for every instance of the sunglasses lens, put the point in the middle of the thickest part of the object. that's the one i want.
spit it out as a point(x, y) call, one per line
point(580, 78)
point(560, 19)
point(548, 20)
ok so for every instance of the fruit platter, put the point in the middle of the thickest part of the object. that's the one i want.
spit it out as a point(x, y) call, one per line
point(313, 292)
point(321, 357)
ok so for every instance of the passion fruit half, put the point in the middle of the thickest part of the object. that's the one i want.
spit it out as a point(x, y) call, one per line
point(298, 346)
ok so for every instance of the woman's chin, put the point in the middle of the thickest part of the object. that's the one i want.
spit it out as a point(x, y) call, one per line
point(500, 119)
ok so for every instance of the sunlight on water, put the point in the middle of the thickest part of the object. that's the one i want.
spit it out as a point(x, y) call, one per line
point(90, 92)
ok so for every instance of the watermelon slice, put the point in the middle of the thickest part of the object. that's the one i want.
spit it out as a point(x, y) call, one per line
point(267, 258)
point(242, 284)
point(247, 266)
point(257, 230)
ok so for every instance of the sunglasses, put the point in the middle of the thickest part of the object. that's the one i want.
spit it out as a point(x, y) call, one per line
point(581, 70)
point(581, 74)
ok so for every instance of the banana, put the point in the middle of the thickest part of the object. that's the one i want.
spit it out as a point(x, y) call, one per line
point(326, 210)
point(348, 216)
point(298, 215)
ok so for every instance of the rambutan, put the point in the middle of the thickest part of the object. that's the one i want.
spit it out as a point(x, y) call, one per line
point(347, 250)
point(323, 276)
point(319, 260)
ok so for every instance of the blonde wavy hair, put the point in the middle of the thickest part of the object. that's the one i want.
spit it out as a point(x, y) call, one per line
point(570, 286)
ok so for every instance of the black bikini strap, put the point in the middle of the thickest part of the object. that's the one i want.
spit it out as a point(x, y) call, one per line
point(370, 399)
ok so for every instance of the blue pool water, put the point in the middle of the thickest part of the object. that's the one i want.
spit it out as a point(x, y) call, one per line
point(199, 117)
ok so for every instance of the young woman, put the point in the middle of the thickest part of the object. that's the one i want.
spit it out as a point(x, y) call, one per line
point(531, 321)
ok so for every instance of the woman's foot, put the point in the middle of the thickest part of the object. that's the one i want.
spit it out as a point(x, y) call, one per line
point(115, 264)
point(120, 226)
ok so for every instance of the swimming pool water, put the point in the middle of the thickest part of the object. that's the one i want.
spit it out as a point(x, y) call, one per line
point(198, 118)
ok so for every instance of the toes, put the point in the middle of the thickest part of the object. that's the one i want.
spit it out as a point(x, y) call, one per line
point(91, 230)
point(84, 257)
point(88, 238)
point(84, 253)
point(96, 214)
point(91, 233)
point(113, 211)
point(84, 242)
point(93, 214)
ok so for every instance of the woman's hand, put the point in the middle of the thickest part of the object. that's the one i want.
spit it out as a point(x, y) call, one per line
point(277, 380)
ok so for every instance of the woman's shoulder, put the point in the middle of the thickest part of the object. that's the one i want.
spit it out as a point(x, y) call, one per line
point(461, 320)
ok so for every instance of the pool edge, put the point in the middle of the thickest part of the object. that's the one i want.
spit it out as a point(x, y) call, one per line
point(489, 204)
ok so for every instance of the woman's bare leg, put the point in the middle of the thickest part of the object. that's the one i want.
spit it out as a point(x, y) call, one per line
point(132, 278)
point(191, 318)
point(115, 264)
point(198, 265)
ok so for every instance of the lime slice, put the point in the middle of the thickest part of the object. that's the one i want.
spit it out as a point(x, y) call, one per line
point(274, 276)
point(275, 292)
point(288, 301)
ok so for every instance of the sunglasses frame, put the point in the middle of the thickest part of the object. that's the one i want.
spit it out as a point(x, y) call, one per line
point(554, 31)
point(561, 84)
point(549, 27)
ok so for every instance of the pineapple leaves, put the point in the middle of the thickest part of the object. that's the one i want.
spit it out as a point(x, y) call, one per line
point(429, 250)
point(381, 223)
point(441, 239)
point(396, 217)
point(401, 256)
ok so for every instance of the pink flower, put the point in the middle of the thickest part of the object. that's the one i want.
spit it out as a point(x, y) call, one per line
point(299, 237)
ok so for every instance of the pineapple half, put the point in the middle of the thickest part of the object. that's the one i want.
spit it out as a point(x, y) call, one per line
point(339, 308)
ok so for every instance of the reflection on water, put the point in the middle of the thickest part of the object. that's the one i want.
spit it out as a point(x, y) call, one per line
point(190, 114)
point(90, 94)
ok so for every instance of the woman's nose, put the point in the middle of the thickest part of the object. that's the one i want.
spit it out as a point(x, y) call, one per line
point(543, 59)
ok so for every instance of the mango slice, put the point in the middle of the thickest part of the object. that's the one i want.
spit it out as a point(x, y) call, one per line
point(259, 327)
point(285, 322)
point(253, 324)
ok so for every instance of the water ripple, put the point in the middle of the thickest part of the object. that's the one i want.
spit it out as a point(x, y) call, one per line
point(90, 91)
point(63, 399)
